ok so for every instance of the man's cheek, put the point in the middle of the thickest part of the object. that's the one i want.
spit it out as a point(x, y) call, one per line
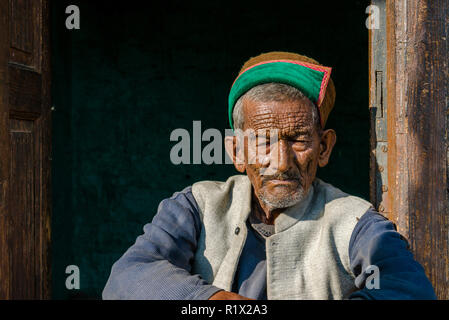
point(253, 172)
point(307, 165)
point(305, 159)
point(311, 171)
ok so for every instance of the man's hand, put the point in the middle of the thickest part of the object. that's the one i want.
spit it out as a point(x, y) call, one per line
point(226, 295)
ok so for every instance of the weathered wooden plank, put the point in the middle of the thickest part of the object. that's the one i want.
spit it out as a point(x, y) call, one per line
point(417, 98)
point(378, 110)
point(25, 90)
point(25, 146)
point(4, 151)
point(25, 33)
point(22, 219)
point(45, 154)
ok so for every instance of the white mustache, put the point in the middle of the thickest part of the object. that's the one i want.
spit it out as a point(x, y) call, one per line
point(280, 177)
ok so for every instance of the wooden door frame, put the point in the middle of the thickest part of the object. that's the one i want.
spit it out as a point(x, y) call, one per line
point(25, 149)
point(4, 145)
point(409, 159)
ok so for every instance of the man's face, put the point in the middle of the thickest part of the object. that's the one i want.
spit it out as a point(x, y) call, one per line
point(281, 174)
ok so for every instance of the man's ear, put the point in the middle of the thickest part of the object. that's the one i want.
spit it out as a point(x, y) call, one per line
point(235, 152)
point(328, 139)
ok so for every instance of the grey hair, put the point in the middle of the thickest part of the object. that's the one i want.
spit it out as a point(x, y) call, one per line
point(269, 92)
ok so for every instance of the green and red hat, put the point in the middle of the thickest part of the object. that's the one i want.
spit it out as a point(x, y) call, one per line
point(312, 79)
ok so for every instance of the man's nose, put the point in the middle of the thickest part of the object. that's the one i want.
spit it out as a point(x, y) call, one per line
point(282, 157)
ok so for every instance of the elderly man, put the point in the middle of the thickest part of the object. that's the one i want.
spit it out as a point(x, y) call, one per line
point(277, 232)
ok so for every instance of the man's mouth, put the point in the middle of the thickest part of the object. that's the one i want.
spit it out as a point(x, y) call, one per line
point(280, 182)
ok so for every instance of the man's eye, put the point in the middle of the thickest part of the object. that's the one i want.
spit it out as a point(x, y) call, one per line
point(264, 145)
point(300, 144)
point(263, 141)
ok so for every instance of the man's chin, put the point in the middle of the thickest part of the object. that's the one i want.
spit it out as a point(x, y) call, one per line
point(281, 191)
point(282, 200)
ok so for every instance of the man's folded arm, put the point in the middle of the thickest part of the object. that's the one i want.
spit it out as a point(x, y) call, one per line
point(375, 242)
point(158, 266)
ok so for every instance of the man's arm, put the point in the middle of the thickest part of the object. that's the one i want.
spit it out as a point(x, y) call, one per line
point(158, 265)
point(375, 241)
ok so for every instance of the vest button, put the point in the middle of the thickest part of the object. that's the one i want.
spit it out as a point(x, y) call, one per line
point(237, 230)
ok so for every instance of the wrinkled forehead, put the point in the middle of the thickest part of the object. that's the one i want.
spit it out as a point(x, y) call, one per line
point(288, 117)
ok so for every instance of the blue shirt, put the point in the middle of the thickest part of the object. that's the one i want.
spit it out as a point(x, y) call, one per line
point(158, 266)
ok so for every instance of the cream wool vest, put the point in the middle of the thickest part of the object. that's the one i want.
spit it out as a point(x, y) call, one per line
point(307, 257)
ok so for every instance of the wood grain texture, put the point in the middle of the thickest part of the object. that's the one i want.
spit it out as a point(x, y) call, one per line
point(378, 111)
point(417, 97)
point(23, 217)
point(25, 145)
point(26, 33)
point(4, 150)
point(45, 122)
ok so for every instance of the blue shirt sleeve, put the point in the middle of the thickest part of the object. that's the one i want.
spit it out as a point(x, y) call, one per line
point(375, 242)
point(158, 266)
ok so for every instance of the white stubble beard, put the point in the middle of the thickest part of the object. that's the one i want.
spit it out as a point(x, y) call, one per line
point(285, 202)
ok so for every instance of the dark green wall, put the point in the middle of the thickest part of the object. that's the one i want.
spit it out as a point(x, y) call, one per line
point(135, 72)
